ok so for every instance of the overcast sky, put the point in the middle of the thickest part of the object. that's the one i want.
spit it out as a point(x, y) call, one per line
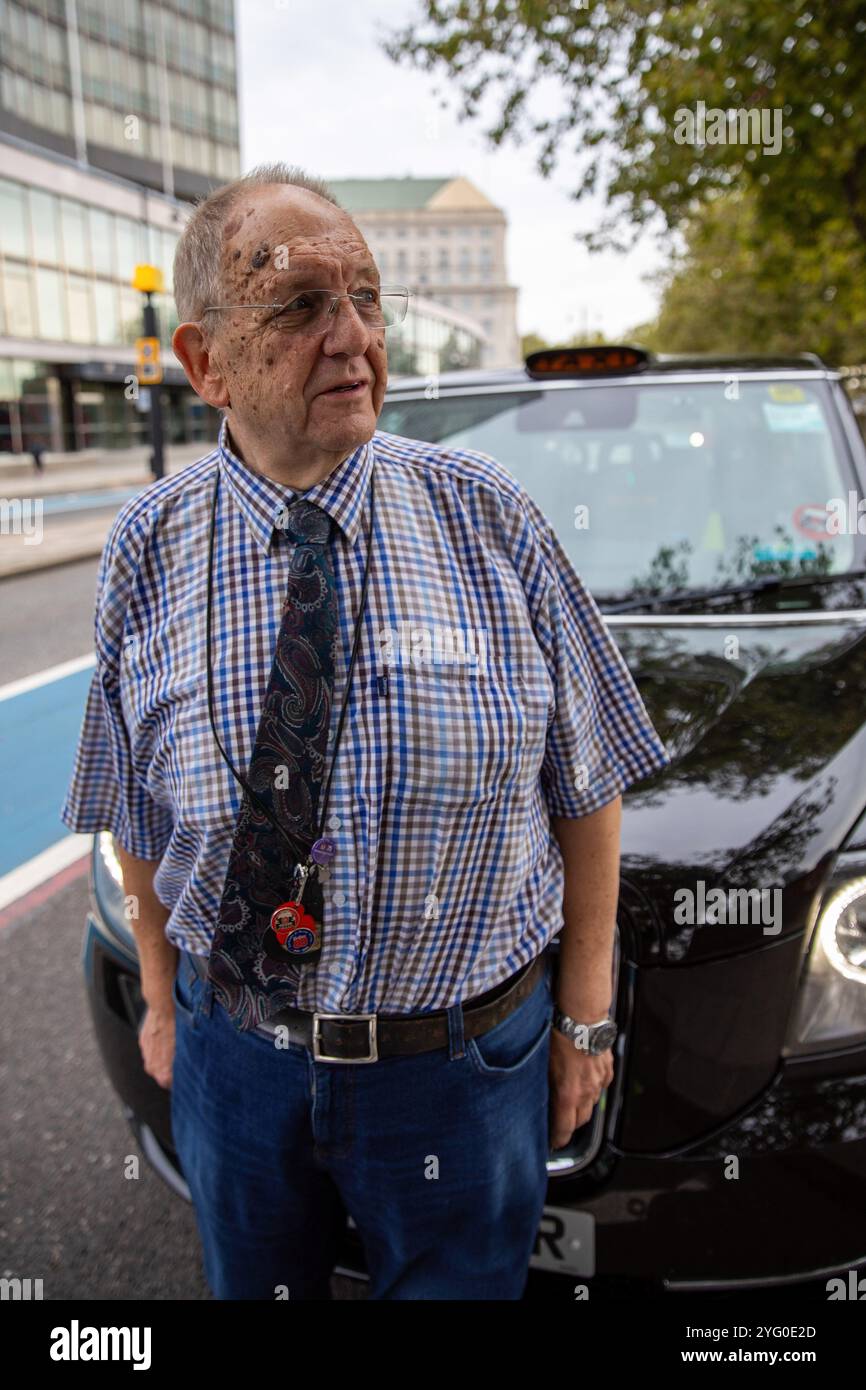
point(316, 89)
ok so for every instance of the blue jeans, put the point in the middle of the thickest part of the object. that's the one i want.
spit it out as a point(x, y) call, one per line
point(439, 1158)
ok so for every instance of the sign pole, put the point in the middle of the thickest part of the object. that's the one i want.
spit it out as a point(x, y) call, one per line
point(148, 279)
point(150, 331)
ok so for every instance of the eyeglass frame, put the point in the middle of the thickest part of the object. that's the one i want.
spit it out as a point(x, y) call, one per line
point(402, 290)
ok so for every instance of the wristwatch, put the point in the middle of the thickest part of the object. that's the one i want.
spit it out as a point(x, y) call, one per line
point(593, 1038)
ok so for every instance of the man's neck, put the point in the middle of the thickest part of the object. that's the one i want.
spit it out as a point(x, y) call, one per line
point(299, 477)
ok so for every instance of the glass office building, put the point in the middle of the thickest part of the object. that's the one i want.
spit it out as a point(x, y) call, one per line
point(69, 316)
point(114, 115)
point(145, 89)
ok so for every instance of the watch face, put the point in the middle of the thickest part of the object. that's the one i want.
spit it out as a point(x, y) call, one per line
point(603, 1037)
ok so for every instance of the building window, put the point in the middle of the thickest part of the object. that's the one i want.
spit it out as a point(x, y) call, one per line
point(49, 298)
point(105, 302)
point(128, 248)
point(78, 300)
point(74, 226)
point(13, 220)
point(45, 221)
point(20, 320)
point(102, 241)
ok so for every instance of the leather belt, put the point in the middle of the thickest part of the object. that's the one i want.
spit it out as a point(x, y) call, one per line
point(366, 1037)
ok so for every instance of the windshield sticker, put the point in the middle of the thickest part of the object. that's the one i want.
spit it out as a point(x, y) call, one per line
point(783, 552)
point(810, 519)
point(793, 418)
point(785, 393)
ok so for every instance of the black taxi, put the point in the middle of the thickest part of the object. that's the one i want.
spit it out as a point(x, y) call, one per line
point(713, 508)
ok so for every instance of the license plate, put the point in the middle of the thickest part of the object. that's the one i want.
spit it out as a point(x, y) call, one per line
point(565, 1242)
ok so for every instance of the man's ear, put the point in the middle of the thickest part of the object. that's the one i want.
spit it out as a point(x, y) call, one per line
point(202, 369)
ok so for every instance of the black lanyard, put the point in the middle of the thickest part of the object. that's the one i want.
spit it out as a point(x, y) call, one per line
point(298, 852)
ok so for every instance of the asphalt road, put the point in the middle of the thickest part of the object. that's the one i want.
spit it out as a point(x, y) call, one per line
point(47, 618)
point(68, 1215)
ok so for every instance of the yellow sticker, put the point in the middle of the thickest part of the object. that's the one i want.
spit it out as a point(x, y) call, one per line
point(714, 533)
point(786, 393)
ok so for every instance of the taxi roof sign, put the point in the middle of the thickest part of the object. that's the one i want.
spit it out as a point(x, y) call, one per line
point(148, 279)
point(585, 361)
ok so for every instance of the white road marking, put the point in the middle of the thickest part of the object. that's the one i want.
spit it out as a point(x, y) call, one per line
point(43, 866)
point(51, 673)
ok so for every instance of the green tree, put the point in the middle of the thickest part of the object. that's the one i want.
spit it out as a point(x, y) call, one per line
point(741, 287)
point(623, 71)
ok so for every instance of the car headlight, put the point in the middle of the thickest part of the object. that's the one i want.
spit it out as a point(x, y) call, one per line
point(108, 884)
point(831, 1007)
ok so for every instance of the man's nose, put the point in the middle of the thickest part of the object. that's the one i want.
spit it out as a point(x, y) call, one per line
point(346, 331)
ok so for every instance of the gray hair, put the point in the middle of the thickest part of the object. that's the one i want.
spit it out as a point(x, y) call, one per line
point(197, 257)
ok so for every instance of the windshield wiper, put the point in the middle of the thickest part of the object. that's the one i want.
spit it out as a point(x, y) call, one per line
point(764, 584)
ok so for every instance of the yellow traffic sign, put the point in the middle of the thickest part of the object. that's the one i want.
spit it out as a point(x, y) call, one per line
point(147, 363)
point(148, 279)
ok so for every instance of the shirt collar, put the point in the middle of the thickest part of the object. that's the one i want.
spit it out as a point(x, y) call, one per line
point(261, 500)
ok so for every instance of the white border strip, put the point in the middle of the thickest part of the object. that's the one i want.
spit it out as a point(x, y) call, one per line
point(41, 867)
point(733, 619)
point(51, 673)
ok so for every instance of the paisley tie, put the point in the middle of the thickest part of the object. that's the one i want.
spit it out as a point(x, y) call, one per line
point(249, 976)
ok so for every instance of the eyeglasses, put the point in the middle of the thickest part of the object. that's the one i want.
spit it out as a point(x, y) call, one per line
point(310, 311)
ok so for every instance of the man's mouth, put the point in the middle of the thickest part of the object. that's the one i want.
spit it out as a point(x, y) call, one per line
point(351, 388)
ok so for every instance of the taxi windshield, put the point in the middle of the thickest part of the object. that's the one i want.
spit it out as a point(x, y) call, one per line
point(665, 485)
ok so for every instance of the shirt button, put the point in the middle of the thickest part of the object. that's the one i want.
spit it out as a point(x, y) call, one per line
point(330, 735)
point(334, 822)
point(338, 899)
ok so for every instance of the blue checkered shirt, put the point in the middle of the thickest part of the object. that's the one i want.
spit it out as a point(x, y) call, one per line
point(487, 697)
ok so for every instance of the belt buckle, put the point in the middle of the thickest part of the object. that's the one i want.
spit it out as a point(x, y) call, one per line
point(320, 1056)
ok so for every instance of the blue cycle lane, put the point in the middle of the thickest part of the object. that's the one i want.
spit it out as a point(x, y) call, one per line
point(39, 731)
point(39, 728)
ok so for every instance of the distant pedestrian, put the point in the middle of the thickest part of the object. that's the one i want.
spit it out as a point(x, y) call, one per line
point(38, 450)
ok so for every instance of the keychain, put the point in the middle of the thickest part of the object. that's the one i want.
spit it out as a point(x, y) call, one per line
point(296, 925)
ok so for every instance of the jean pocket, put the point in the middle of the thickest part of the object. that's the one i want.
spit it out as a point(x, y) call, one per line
point(186, 989)
point(510, 1046)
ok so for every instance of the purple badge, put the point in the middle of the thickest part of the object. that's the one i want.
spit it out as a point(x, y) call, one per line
point(323, 850)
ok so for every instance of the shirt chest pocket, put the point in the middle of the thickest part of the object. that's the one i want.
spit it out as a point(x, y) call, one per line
point(460, 737)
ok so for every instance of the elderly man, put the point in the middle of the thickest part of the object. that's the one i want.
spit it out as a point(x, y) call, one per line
point(348, 862)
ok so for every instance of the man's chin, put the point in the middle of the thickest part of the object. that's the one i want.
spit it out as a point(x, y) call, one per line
point(346, 435)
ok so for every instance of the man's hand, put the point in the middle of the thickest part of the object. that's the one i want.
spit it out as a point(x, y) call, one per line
point(577, 1079)
point(157, 962)
point(156, 1043)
